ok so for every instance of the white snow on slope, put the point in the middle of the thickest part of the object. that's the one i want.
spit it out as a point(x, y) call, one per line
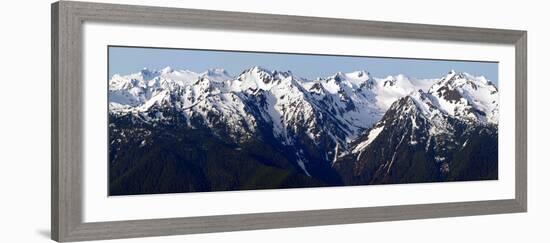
point(372, 135)
point(391, 88)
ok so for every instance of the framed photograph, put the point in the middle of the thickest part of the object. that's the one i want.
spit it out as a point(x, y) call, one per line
point(178, 121)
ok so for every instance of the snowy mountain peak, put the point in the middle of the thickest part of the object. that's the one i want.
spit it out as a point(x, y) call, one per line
point(253, 79)
point(347, 83)
point(458, 79)
point(282, 74)
point(355, 77)
point(257, 72)
point(257, 69)
point(257, 78)
point(146, 71)
point(338, 77)
point(416, 101)
point(390, 81)
point(418, 94)
point(360, 73)
point(216, 71)
point(399, 79)
point(148, 74)
point(464, 95)
point(217, 74)
point(167, 69)
point(317, 88)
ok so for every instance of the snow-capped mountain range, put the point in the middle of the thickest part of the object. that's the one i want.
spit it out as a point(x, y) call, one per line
point(330, 120)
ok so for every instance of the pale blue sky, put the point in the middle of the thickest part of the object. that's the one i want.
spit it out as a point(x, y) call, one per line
point(126, 60)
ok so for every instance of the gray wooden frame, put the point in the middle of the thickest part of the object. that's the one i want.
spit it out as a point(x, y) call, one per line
point(67, 104)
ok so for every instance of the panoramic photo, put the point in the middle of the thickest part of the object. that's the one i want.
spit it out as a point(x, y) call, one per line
point(190, 120)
